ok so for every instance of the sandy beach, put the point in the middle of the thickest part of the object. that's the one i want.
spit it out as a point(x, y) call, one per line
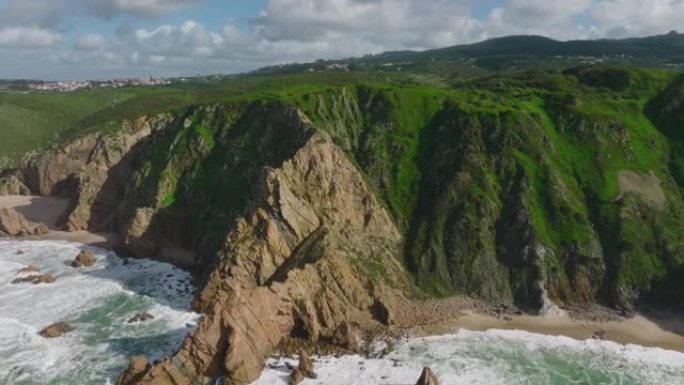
point(665, 331)
point(47, 210)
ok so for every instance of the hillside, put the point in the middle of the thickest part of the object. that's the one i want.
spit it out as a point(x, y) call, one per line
point(312, 200)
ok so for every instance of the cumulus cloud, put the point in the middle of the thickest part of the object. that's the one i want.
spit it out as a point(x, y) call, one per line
point(144, 8)
point(90, 42)
point(304, 30)
point(27, 37)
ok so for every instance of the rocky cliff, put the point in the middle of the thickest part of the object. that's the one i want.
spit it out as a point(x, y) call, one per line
point(333, 207)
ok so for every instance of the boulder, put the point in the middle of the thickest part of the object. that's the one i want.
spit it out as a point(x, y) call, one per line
point(140, 317)
point(83, 259)
point(12, 223)
point(56, 330)
point(346, 337)
point(427, 377)
point(12, 185)
point(35, 279)
point(137, 367)
point(303, 370)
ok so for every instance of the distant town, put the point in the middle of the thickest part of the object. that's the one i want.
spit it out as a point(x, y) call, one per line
point(73, 85)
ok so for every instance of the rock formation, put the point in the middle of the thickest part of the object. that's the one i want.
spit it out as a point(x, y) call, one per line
point(12, 185)
point(303, 370)
point(84, 258)
point(137, 367)
point(140, 317)
point(35, 279)
point(29, 269)
point(56, 330)
point(427, 377)
point(12, 223)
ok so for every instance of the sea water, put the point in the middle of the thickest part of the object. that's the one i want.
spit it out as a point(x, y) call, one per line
point(496, 357)
point(97, 301)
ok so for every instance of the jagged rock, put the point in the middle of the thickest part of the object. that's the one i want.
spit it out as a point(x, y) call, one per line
point(346, 337)
point(289, 264)
point(36, 279)
point(84, 259)
point(140, 317)
point(305, 365)
point(12, 223)
point(296, 376)
point(56, 330)
point(427, 377)
point(12, 185)
point(29, 269)
point(137, 367)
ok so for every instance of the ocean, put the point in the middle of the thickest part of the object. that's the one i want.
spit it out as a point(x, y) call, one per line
point(99, 300)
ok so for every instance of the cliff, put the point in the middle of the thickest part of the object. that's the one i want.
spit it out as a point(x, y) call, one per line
point(323, 207)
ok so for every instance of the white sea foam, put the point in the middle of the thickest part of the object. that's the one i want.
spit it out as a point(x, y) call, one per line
point(98, 301)
point(505, 357)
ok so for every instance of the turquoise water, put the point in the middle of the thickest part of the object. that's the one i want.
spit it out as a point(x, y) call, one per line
point(97, 301)
point(497, 357)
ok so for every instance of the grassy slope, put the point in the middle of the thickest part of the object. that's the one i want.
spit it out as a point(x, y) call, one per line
point(454, 166)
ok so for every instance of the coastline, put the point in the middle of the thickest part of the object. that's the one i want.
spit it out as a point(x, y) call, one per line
point(638, 329)
point(429, 317)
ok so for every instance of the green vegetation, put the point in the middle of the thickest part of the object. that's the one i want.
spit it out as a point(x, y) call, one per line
point(499, 183)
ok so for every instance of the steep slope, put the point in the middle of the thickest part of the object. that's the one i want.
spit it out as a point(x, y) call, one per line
point(328, 204)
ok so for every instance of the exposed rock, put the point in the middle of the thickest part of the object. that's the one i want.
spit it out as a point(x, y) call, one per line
point(29, 269)
point(305, 365)
point(599, 334)
point(56, 330)
point(84, 259)
point(20, 252)
point(12, 223)
point(294, 264)
point(36, 279)
point(296, 376)
point(427, 377)
point(346, 337)
point(140, 317)
point(12, 185)
point(137, 366)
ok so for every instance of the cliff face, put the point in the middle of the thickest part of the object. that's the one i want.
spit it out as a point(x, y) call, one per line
point(328, 209)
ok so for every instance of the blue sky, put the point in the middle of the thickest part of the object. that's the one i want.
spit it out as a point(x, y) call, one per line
point(74, 39)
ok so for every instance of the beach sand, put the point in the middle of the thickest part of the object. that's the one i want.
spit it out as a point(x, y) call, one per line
point(47, 210)
point(664, 330)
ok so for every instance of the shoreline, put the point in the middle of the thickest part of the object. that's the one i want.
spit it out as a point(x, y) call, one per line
point(636, 330)
point(432, 316)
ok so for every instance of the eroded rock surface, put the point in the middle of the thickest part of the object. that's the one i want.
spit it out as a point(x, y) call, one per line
point(12, 223)
point(56, 330)
point(84, 258)
point(315, 250)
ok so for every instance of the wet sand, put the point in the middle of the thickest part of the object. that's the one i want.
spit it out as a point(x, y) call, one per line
point(665, 331)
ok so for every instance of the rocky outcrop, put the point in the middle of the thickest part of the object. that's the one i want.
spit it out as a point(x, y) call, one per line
point(315, 250)
point(427, 377)
point(13, 185)
point(56, 330)
point(35, 279)
point(12, 223)
point(140, 317)
point(84, 258)
point(303, 370)
point(137, 366)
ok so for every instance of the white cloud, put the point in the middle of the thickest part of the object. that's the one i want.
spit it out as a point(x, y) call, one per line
point(304, 30)
point(143, 8)
point(27, 37)
point(90, 42)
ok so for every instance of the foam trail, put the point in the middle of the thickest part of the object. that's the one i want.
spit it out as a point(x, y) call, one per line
point(98, 301)
point(497, 357)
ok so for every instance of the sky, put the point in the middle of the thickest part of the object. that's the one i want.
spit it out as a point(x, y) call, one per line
point(98, 39)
